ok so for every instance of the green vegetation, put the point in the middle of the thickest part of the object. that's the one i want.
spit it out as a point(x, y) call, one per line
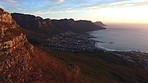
point(103, 67)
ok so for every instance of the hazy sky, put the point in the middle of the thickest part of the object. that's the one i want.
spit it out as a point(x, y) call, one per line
point(119, 11)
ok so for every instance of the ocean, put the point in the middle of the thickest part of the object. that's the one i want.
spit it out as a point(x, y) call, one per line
point(122, 37)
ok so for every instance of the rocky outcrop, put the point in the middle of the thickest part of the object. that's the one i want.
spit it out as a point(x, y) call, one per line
point(8, 46)
point(10, 36)
point(14, 51)
point(46, 25)
point(20, 62)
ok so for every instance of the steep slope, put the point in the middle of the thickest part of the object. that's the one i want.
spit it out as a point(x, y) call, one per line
point(37, 23)
point(21, 62)
point(80, 26)
point(86, 26)
point(32, 23)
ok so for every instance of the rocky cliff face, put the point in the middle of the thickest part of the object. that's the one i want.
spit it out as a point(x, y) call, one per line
point(14, 51)
point(80, 26)
point(20, 62)
point(31, 22)
point(36, 24)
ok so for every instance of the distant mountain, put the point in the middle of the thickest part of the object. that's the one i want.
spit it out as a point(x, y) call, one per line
point(21, 62)
point(76, 26)
point(99, 23)
point(40, 25)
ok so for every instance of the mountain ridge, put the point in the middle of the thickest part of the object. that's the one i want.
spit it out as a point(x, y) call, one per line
point(61, 25)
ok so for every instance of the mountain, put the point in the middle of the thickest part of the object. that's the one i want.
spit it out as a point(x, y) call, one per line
point(38, 29)
point(99, 23)
point(79, 26)
point(21, 62)
point(39, 24)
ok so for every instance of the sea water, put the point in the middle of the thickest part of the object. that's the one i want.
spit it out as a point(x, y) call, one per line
point(123, 37)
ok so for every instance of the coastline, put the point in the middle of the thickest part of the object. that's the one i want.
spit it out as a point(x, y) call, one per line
point(131, 56)
point(97, 45)
point(121, 39)
point(83, 43)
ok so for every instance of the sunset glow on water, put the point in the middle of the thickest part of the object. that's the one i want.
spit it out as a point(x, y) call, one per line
point(123, 37)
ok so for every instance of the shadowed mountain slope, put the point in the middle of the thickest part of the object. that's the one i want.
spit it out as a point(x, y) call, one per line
point(38, 24)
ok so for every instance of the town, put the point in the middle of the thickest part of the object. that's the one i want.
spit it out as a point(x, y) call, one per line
point(73, 42)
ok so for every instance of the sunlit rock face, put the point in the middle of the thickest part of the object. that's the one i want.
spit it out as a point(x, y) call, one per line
point(20, 62)
point(10, 35)
point(14, 51)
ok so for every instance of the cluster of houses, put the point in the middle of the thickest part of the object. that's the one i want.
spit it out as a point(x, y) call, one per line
point(73, 42)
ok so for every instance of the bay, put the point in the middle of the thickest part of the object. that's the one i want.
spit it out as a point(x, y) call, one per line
point(123, 37)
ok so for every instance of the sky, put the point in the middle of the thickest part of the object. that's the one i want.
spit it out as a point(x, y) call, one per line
point(108, 11)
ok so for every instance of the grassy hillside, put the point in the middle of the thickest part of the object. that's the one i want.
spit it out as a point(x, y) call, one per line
point(51, 69)
point(103, 67)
